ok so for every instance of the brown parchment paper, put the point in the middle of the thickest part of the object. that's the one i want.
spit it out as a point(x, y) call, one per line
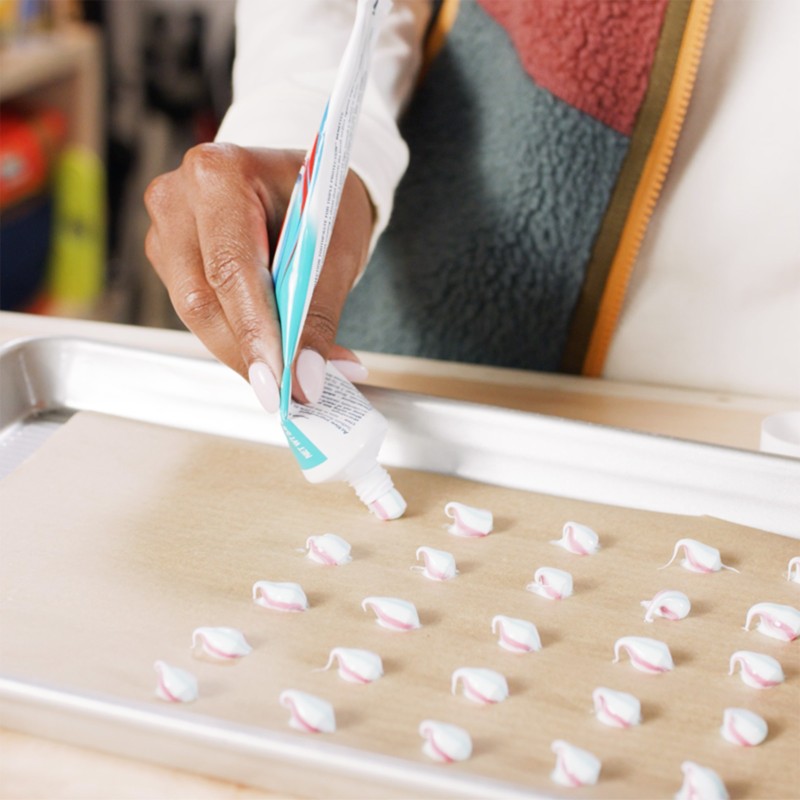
point(119, 538)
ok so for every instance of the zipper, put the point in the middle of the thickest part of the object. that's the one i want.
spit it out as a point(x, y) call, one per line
point(651, 182)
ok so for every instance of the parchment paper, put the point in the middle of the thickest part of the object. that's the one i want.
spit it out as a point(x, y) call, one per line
point(119, 538)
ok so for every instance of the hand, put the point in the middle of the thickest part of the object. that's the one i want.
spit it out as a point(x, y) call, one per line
point(215, 223)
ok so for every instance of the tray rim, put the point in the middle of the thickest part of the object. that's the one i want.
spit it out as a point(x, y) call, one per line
point(360, 771)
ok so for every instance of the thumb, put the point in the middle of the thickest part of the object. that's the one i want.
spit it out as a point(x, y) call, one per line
point(319, 335)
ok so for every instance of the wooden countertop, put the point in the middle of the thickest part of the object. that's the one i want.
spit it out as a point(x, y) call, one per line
point(31, 767)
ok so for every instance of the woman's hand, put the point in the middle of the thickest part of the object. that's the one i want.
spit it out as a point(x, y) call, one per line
point(215, 223)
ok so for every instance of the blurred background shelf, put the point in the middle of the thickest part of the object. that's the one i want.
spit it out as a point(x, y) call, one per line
point(62, 69)
point(52, 145)
point(135, 84)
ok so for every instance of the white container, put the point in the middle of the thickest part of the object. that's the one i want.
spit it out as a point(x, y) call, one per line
point(338, 438)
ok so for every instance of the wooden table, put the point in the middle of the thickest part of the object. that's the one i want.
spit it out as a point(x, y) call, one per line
point(31, 767)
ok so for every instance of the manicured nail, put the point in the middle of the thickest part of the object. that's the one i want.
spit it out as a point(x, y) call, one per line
point(264, 385)
point(352, 370)
point(310, 372)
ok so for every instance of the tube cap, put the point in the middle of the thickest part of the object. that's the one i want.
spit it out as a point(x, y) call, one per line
point(390, 505)
point(376, 490)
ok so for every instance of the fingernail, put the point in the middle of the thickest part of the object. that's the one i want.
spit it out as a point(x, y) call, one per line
point(264, 385)
point(352, 370)
point(310, 372)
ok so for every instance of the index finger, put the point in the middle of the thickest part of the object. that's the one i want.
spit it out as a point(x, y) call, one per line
point(232, 236)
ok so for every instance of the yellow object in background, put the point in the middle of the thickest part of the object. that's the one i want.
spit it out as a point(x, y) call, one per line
point(8, 18)
point(76, 273)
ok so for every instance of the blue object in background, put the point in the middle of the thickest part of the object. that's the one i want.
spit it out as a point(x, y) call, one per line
point(24, 246)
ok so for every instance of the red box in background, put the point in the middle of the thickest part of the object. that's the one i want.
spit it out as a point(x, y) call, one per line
point(29, 144)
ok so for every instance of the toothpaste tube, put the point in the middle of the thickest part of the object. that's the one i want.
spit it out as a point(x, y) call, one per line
point(339, 436)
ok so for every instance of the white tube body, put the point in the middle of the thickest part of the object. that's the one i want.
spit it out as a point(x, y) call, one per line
point(338, 438)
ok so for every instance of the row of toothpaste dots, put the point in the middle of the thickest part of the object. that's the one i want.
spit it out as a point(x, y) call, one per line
point(448, 743)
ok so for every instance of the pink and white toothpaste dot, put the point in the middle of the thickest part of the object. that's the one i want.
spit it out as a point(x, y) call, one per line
point(578, 539)
point(307, 712)
point(392, 613)
point(355, 665)
point(698, 557)
point(328, 549)
point(669, 604)
point(480, 685)
point(444, 742)
point(469, 521)
point(280, 596)
point(439, 564)
point(516, 635)
point(757, 670)
point(175, 685)
point(777, 621)
point(220, 644)
point(647, 655)
point(616, 709)
point(551, 583)
point(574, 766)
point(700, 783)
point(743, 727)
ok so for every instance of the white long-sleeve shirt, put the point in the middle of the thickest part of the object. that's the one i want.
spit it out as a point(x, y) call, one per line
point(730, 296)
point(287, 54)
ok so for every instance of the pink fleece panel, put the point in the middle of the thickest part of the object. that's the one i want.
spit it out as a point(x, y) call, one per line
point(595, 55)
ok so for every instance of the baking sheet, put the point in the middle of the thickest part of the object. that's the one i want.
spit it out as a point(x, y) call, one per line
point(119, 538)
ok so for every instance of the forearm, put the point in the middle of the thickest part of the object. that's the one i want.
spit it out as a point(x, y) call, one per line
point(287, 57)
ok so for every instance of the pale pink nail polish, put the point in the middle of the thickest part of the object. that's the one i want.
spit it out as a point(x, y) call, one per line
point(264, 385)
point(352, 370)
point(310, 373)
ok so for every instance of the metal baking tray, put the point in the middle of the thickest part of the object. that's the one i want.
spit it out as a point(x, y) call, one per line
point(44, 381)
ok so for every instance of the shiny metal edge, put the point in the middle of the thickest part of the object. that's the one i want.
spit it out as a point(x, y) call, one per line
point(221, 749)
point(482, 443)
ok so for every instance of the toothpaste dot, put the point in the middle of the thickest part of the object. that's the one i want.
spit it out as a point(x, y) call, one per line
point(775, 620)
point(480, 685)
point(616, 709)
point(328, 549)
point(392, 613)
point(669, 604)
point(578, 539)
point(516, 635)
point(280, 596)
point(698, 557)
point(646, 655)
point(742, 727)
point(175, 685)
point(439, 565)
point(551, 583)
point(756, 670)
point(469, 521)
point(700, 783)
point(445, 743)
point(220, 644)
point(308, 713)
point(356, 666)
point(574, 766)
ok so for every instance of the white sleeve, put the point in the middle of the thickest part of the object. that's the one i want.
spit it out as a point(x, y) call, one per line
point(287, 55)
